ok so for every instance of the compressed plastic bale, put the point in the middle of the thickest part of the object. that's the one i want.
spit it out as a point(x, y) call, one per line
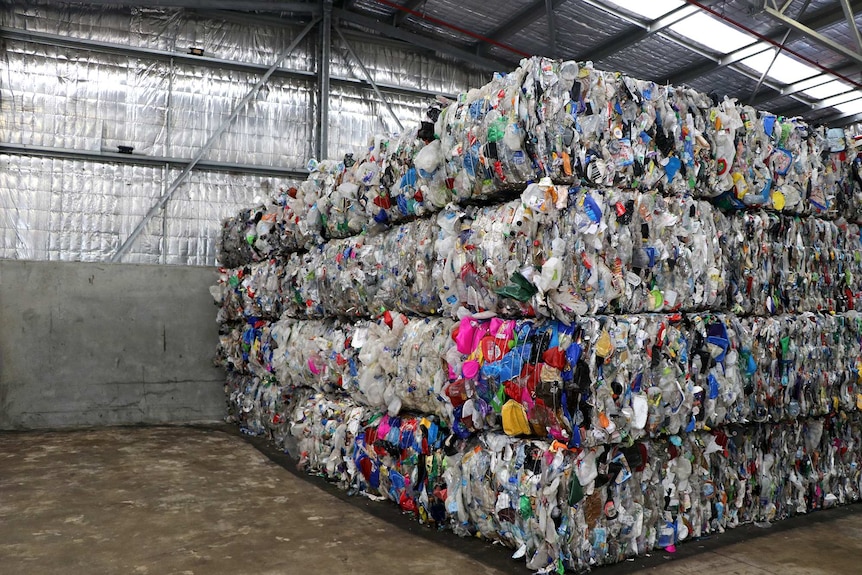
point(229, 352)
point(331, 280)
point(614, 130)
point(301, 286)
point(363, 275)
point(572, 509)
point(488, 257)
point(480, 159)
point(348, 277)
point(388, 369)
point(548, 113)
point(364, 170)
point(404, 259)
point(431, 184)
point(651, 415)
point(316, 354)
point(339, 201)
point(321, 432)
point(780, 163)
point(778, 264)
point(568, 122)
point(294, 224)
point(252, 291)
point(558, 252)
point(853, 182)
point(420, 378)
point(247, 348)
point(634, 252)
point(234, 247)
point(257, 404)
point(806, 365)
point(377, 344)
point(280, 334)
point(598, 381)
point(235, 385)
point(473, 255)
point(287, 223)
point(412, 180)
point(605, 379)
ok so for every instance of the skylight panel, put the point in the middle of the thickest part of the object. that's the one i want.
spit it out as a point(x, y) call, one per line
point(785, 70)
point(851, 108)
point(841, 99)
point(827, 90)
point(712, 33)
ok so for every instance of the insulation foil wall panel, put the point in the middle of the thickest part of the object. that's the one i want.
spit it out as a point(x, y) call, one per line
point(93, 101)
point(76, 210)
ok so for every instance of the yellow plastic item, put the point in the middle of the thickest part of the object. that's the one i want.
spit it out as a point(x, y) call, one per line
point(740, 184)
point(777, 200)
point(515, 419)
point(604, 346)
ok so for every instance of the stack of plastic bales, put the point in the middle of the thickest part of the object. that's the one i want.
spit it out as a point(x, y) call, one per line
point(577, 313)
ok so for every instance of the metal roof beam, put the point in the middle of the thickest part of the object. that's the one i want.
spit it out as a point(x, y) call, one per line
point(143, 160)
point(139, 52)
point(806, 84)
point(528, 15)
point(635, 34)
point(767, 83)
point(440, 46)
point(841, 119)
point(552, 28)
point(831, 102)
point(401, 15)
point(216, 63)
point(842, 98)
point(813, 34)
point(244, 6)
point(369, 78)
point(324, 37)
point(691, 46)
point(819, 19)
point(851, 22)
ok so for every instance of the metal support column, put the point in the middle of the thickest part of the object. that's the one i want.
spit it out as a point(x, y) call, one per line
point(851, 22)
point(552, 28)
point(167, 169)
point(813, 34)
point(369, 78)
point(124, 247)
point(323, 82)
point(777, 52)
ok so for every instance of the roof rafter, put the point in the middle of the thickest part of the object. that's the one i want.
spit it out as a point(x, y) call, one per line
point(246, 6)
point(846, 67)
point(635, 34)
point(819, 19)
point(528, 15)
point(841, 119)
point(440, 46)
point(812, 34)
point(400, 15)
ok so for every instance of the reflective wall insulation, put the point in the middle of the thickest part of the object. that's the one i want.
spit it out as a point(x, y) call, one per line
point(96, 100)
point(55, 209)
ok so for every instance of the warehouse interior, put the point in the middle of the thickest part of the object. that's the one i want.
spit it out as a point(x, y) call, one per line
point(328, 174)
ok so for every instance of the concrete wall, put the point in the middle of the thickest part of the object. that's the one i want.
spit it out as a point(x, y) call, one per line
point(106, 344)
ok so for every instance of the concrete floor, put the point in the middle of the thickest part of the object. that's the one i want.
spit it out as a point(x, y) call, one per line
point(206, 501)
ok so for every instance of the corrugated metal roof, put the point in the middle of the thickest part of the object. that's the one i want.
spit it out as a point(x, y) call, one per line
point(484, 33)
point(651, 59)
